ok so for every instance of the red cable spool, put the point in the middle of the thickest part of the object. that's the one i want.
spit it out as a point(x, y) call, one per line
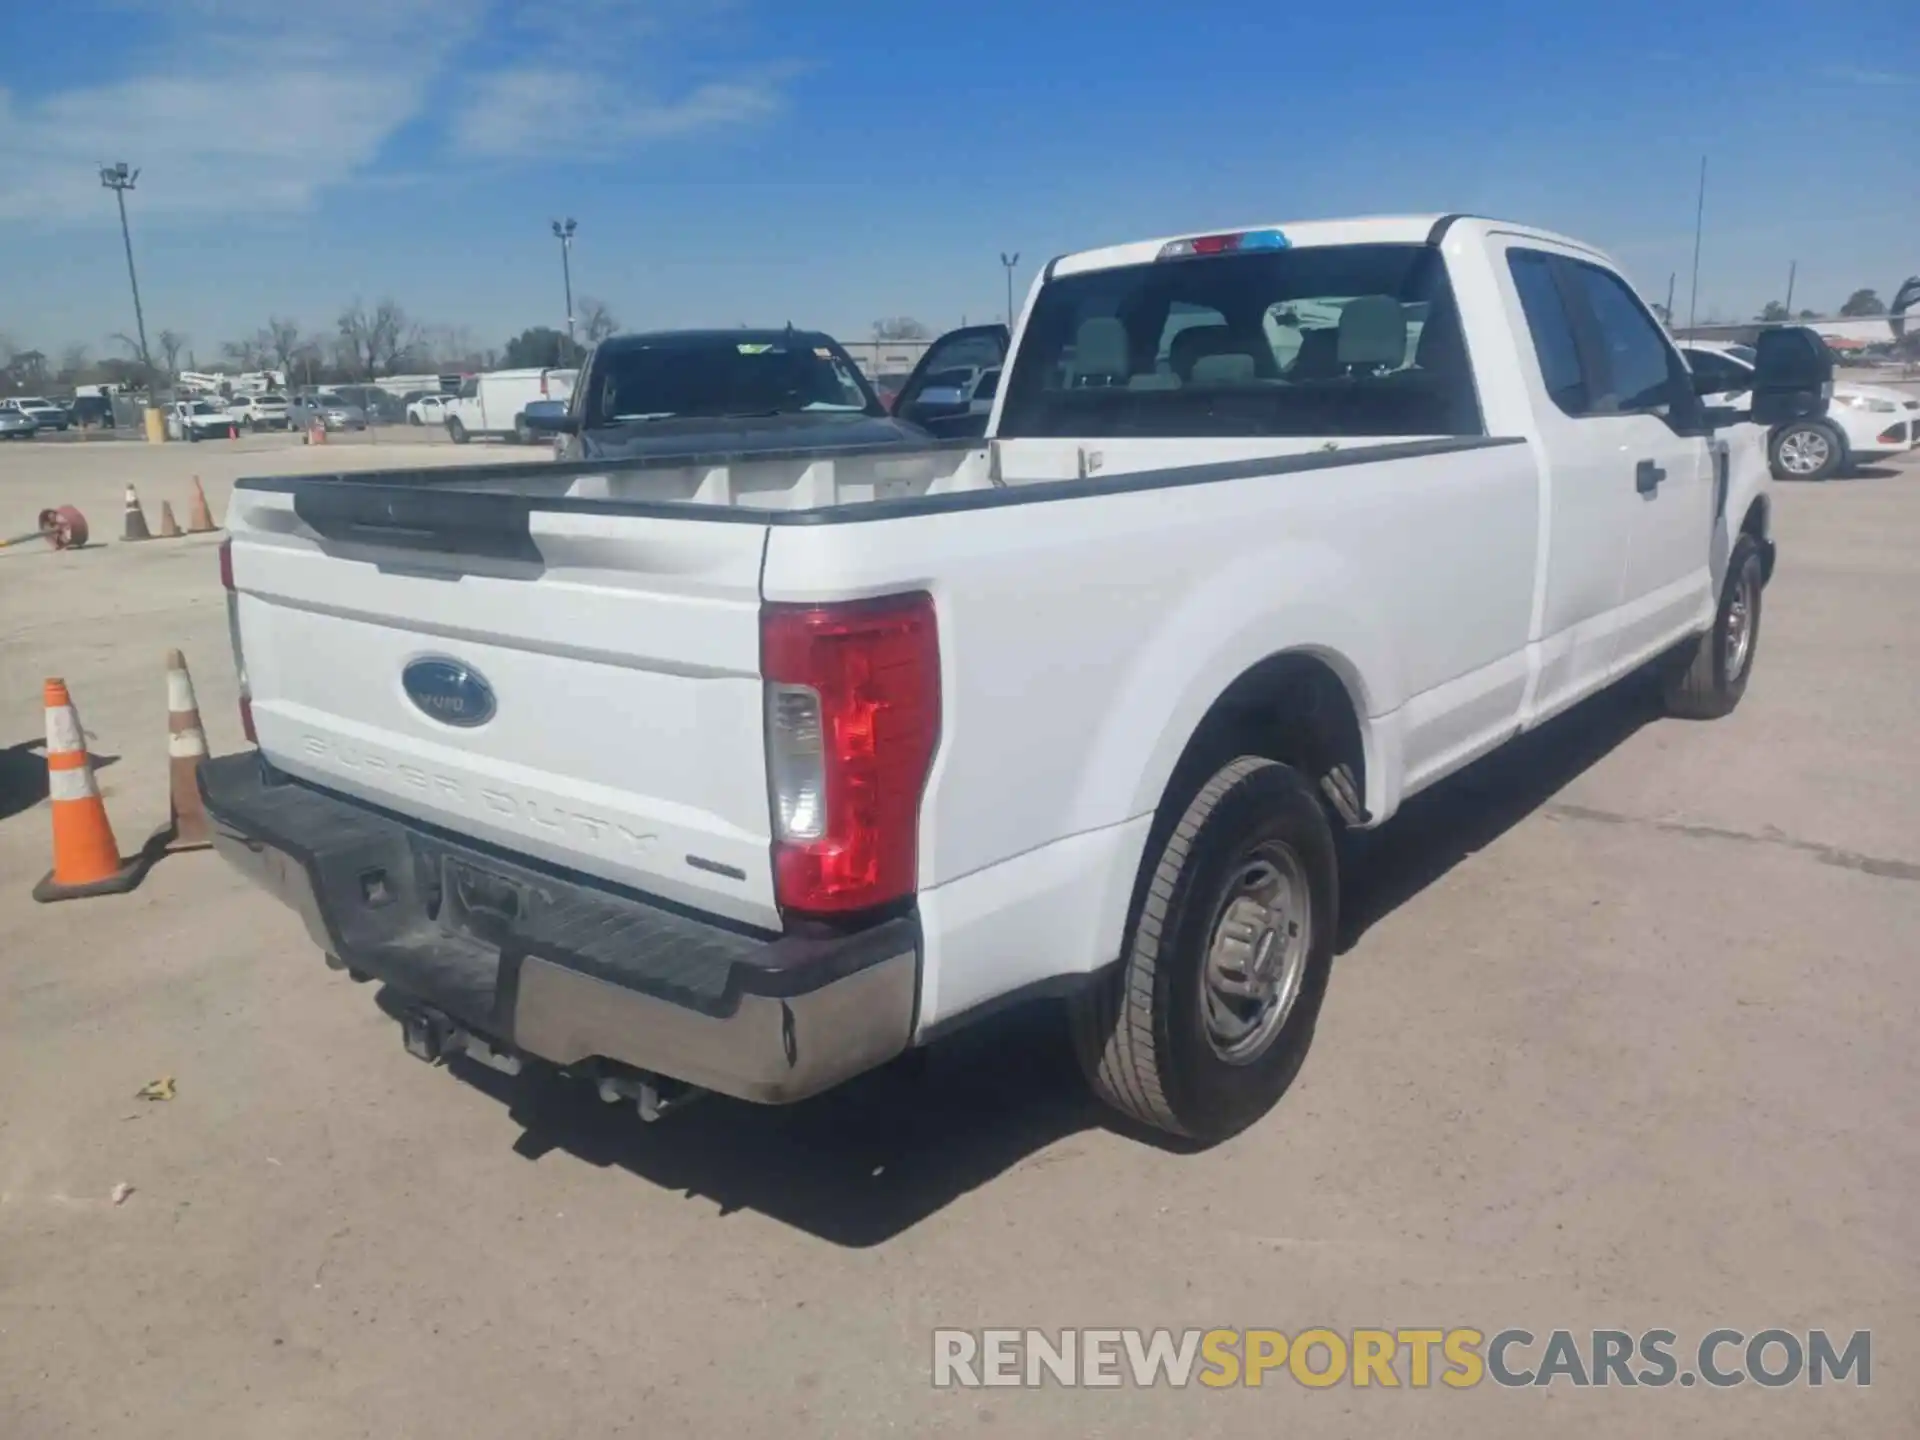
point(64, 527)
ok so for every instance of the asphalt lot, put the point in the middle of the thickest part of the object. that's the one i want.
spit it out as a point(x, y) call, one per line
point(1624, 1034)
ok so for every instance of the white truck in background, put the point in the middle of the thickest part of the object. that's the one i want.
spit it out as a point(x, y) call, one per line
point(748, 773)
point(494, 405)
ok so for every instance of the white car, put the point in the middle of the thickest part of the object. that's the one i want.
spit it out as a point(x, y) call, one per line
point(44, 413)
point(198, 420)
point(429, 410)
point(748, 770)
point(266, 411)
point(1864, 422)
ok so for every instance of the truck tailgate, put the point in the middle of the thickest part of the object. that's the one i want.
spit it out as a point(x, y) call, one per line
point(620, 654)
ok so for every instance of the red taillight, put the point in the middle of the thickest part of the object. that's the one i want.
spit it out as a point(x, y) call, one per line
point(246, 718)
point(853, 716)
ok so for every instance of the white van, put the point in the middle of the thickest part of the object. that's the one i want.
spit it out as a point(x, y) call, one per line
point(496, 403)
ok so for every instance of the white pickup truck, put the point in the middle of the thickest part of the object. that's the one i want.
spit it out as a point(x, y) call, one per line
point(750, 772)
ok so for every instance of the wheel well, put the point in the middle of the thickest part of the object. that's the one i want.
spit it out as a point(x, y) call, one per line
point(1755, 523)
point(1294, 708)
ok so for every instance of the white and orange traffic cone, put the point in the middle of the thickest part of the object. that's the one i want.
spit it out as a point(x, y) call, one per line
point(136, 518)
point(86, 858)
point(188, 827)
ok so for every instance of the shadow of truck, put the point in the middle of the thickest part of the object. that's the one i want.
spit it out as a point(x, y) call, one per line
point(883, 1152)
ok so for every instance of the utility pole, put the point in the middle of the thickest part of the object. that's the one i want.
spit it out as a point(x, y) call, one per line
point(119, 179)
point(1793, 267)
point(563, 232)
point(1671, 277)
point(1009, 261)
point(1699, 218)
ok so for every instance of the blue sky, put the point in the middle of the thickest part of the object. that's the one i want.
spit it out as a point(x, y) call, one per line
point(730, 161)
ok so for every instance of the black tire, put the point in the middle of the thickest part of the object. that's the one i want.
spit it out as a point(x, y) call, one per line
point(522, 432)
point(1808, 438)
point(413, 419)
point(1142, 1033)
point(456, 432)
point(1706, 677)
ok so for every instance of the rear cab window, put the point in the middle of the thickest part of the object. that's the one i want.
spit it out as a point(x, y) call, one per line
point(691, 375)
point(1335, 341)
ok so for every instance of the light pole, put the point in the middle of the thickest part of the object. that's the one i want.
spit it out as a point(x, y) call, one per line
point(1699, 222)
point(563, 232)
point(1009, 261)
point(119, 179)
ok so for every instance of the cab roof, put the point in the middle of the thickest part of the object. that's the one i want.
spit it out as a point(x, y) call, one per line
point(1355, 230)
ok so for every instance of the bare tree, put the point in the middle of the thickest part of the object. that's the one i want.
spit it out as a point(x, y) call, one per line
point(73, 363)
point(900, 327)
point(376, 337)
point(244, 354)
point(172, 342)
point(308, 357)
point(595, 319)
point(280, 340)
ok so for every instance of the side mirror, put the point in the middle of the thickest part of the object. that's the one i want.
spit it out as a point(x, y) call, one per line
point(1792, 375)
point(549, 417)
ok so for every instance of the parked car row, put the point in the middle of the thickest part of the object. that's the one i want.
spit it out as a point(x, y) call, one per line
point(37, 414)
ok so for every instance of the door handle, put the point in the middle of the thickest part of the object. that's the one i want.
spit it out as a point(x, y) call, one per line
point(1647, 477)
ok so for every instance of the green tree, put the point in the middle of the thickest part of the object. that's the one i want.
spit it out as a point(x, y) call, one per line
point(1864, 302)
point(1775, 313)
point(539, 346)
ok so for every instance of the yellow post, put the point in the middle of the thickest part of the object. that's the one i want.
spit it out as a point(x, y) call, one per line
point(156, 425)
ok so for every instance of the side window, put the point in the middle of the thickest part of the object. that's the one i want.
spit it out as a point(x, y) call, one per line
point(1639, 361)
point(1718, 373)
point(470, 387)
point(1552, 330)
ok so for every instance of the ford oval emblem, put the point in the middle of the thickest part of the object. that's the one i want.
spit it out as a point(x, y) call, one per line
point(447, 691)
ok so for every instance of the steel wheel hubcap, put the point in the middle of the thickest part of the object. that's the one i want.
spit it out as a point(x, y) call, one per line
point(1804, 451)
point(1740, 627)
point(1257, 955)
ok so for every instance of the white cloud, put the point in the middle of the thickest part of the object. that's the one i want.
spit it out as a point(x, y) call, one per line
point(543, 110)
point(242, 108)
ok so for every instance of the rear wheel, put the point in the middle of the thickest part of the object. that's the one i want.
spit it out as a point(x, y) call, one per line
point(1208, 1017)
point(456, 432)
point(1808, 450)
point(1707, 678)
point(522, 432)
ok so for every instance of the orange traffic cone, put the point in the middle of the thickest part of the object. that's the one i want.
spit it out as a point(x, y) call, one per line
point(200, 516)
point(188, 827)
point(136, 518)
point(86, 859)
point(169, 527)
